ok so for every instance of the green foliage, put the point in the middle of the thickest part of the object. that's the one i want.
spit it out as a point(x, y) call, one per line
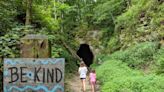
point(105, 14)
point(137, 56)
point(107, 10)
point(44, 16)
point(139, 6)
point(116, 76)
point(9, 45)
point(48, 18)
point(122, 23)
point(7, 14)
point(159, 60)
point(140, 22)
point(113, 44)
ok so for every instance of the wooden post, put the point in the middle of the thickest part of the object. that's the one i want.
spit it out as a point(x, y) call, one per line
point(35, 46)
point(28, 12)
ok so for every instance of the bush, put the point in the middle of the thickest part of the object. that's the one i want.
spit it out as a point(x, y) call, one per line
point(142, 21)
point(159, 60)
point(113, 44)
point(116, 76)
point(133, 12)
point(137, 56)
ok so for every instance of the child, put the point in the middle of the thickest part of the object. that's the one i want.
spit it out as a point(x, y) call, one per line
point(83, 72)
point(92, 77)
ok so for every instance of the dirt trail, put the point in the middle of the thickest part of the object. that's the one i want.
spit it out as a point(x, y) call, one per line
point(75, 85)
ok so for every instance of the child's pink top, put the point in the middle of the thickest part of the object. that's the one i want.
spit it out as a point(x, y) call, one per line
point(92, 77)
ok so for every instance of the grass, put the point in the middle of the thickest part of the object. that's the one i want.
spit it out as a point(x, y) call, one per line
point(116, 76)
point(123, 71)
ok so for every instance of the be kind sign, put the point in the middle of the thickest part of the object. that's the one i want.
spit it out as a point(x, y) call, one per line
point(33, 75)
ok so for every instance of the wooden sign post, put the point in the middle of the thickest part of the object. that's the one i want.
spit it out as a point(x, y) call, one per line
point(34, 71)
point(35, 46)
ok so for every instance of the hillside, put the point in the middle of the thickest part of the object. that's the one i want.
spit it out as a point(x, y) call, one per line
point(135, 62)
point(137, 69)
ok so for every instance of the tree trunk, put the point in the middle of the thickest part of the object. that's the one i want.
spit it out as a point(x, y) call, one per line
point(71, 51)
point(28, 12)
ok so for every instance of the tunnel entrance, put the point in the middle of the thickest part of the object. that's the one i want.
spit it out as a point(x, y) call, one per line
point(86, 54)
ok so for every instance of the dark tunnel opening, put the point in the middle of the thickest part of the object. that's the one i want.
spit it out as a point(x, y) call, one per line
point(86, 54)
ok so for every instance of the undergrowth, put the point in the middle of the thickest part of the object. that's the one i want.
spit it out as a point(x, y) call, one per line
point(116, 76)
point(123, 71)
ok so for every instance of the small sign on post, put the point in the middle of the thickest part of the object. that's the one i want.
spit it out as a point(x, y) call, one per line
point(33, 75)
point(35, 46)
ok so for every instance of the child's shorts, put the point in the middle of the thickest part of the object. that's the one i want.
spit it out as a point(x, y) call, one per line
point(82, 78)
